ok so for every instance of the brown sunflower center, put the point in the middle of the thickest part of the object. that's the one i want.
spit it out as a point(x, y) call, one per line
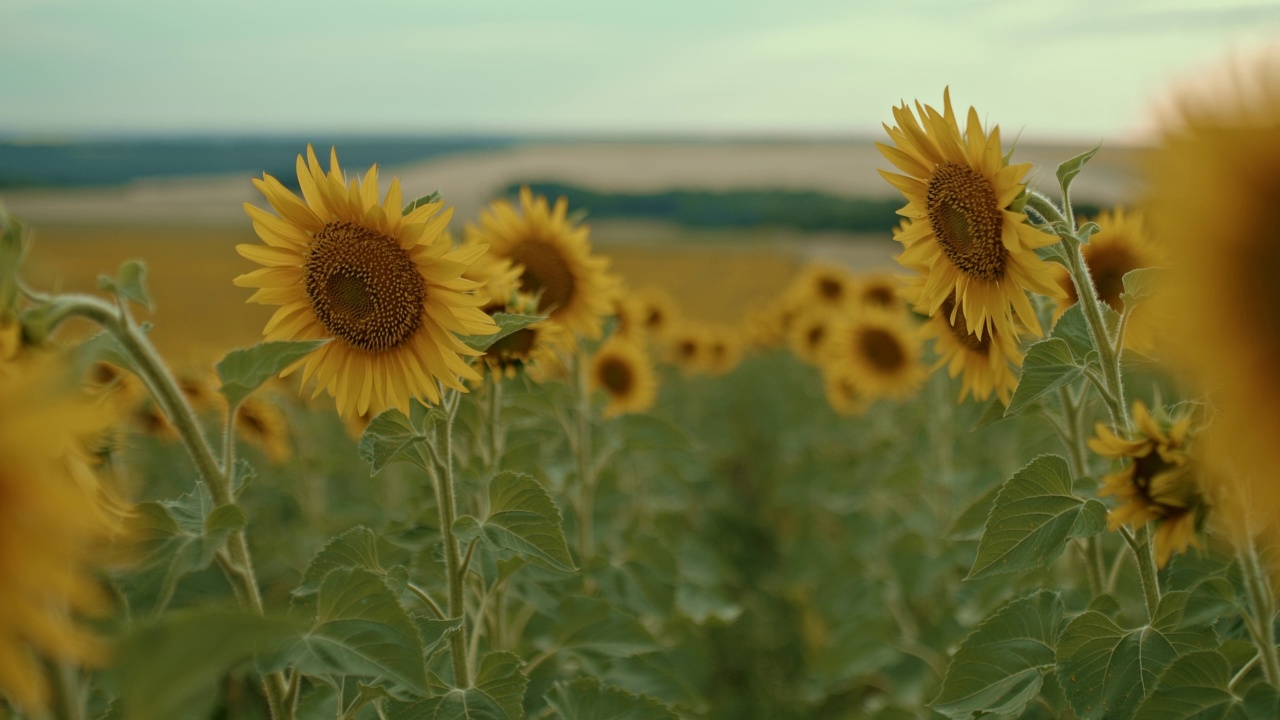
point(883, 349)
point(687, 348)
point(966, 219)
point(546, 273)
point(654, 319)
point(880, 295)
point(616, 376)
point(830, 288)
point(363, 287)
point(518, 344)
point(960, 330)
point(815, 336)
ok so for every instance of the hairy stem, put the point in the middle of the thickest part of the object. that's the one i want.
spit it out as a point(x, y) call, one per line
point(447, 503)
point(1146, 567)
point(1262, 602)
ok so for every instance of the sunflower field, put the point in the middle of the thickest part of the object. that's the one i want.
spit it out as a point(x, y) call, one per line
point(469, 473)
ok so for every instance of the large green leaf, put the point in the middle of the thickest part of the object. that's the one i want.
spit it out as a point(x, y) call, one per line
point(358, 547)
point(586, 624)
point(1107, 671)
point(360, 630)
point(585, 698)
point(498, 694)
point(1195, 686)
point(1033, 516)
point(170, 668)
point(508, 324)
point(974, 518)
point(999, 668)
point(179, 537)
point(523, 519)
point(243, 371)
point(1047, 366)
point(392, 437)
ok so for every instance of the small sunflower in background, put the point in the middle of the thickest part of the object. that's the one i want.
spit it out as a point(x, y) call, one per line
point(823, 286)
point(263, 424)
point(658, 312)
point(499, 279)
point(623, 371)
point(988, 364)
point(1120, 245)
point(573, 287)
point(844, 390)
point(723, 351)
point(810, 335)
point(629, 316)
point(881, 351)
point(383, 287)
point(57, 524)
point(878, 290)
point(686, 348)
point(767, 326)
point(1157, 483)
point(533, 348)
point(965, 233)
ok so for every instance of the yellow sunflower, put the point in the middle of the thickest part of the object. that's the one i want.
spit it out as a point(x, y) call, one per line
point(880, 350)
point(623, 371)
point(1120, 245)
point(844, 390)
point(56, 524)
point(1214, 181)
point(989, 364)
point(686, 348)
point(1157, 482)
point(499, 279)
point(965, 234)
point(263, 424)
point(383, 288)
point(822, 286)
point(658, 312)
point(533, 349)
point(764, 326)
point(878, 290)
point(810, 335)
point(723, 351)
point(630, 316)
point(573, 287)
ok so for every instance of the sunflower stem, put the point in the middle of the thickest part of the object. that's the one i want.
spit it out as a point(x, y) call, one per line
point(496, 435)
point(1141, 549)
point(447, 503)
point(586, 470)
point(1262, 603)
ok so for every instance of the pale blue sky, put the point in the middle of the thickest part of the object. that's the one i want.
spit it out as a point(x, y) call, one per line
point(1069, 70)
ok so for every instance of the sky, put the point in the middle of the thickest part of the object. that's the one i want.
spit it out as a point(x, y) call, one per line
point(1090, 69)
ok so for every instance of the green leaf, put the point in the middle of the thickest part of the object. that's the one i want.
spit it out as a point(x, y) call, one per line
point(1091, 521)
point(585, 698)
point(424, 200)
point(1107, 671)
point(172, 666)
point(130, 283)
point(1069, 169)
point(179, 537)
point(1195, 686)
point(1073, 329)
point(508, 324)
point(594, 625)
point(1141, 284)
point(992, 413)
point(1048, 365)
point(1000, 667)
point(243, 371)
point(974, 518)
point(498, 694)
point(435, 633)
point(392, 437)
point(360, 630)
point(358, 547)
point(522, 518)
point(1033, 516)
point(499, 677)
point(225, 519)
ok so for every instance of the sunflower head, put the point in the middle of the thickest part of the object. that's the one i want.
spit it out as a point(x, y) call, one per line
point(810, 335)
point(686, 347)
point(623, 371)
point(658, 311)
point(880, 291)
point(498, 278)
point(965, 233)
point(880, 350)
point(723, 350)
point(1157, 482)
point(988, 363)
point(844, 390)
point(383, 287)
point(822, 287)
point(573, 287)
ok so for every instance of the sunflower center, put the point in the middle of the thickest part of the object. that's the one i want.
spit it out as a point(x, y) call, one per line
point(363, 287)
point(687, 348)
point(546, 273)
point(879, 295)
point(966, 219)
point(654, 319)
point(882, 348)
point(960, 330)
point(830, 288)
point(815, 335)
point(616, 376)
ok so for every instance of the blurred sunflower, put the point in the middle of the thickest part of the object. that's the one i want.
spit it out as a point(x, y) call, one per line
point(989, 364)
point(499, 279)
point(573, 288)
point(532, 348)
point(1157, 482)
point(383, 286)
point(723, 351)
point(809, 336)
point(56, 523)
point(878, 290)
point(263, 424)
point(965, 234)
point(880, 351)
point(659, 313)
point(824, 286)
point(630, 317)
point(686, 348)
point(844, 391)
point(623, 371)
point(1120, 245)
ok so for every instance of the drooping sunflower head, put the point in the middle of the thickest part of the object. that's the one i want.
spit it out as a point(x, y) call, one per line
point(810, 335)
point(623, 371)
point(1157, 482)
point(880, 350)
point(844, 390)
point(988, 364)
point(383, 287)
point(573, 287)
point(56, 523)
point(965, 233)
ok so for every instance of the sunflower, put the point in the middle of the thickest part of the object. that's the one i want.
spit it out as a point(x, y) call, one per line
point(723, 351)
point(573, 288)
point(880, 350)
point(809, 336)
point(878, 290)
point(56, 523)
point(1158, 483)
point(1214, 181)
point(630, 317)
point(658, 312)
point(263, 424)
point(822, 286)
point(965, 235)
point(623, 370)
point(767, 326)
point(988, 363)
point(1120, 245)
point(131, 399)
point(533, 348)
point(844, 391)
point(383, 288)
point(498, 277)
point(686, 348)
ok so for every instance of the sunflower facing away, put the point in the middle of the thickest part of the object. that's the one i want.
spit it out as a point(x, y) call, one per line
point(965, 235)
point(880, 351)
point(55, 524)
point(1120, 245)
point(989, 364)
point(624, 372)
point(1157, 482)
point(384, 288)
point(573, 288)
